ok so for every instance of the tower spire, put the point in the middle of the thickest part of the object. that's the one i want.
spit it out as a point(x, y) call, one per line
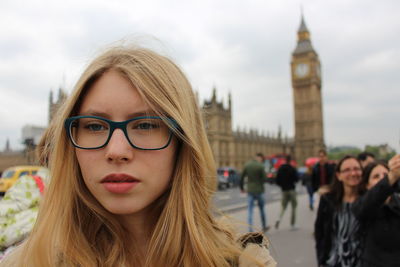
point(229, 101)
point(303, 27)
point(303, 38)
point(214, 94)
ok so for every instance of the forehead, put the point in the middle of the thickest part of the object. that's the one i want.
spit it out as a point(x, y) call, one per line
point(379, 168)
point(349, 163)
point(112, 94)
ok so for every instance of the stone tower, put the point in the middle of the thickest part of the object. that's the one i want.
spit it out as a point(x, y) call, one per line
point(218, 122)
point(306, 82)
point(54, 105)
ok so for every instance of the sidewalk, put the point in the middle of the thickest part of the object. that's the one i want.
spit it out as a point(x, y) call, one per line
point(289, 248)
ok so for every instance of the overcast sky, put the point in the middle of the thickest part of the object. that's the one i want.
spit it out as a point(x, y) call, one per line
point(242, 47)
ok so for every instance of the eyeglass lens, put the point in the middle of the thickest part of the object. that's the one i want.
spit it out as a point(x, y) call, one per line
point(145, 133)
point(355, 169)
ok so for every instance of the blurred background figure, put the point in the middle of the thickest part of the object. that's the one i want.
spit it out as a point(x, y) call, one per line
point(322, 172)
point(307, 182)
point(366, 158)
point(379, 211)
point(255, 173)
point(287, 178)
point(337, 231)
point(19, 206)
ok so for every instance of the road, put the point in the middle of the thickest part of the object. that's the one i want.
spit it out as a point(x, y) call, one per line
point(289, 248)
point(232, 199)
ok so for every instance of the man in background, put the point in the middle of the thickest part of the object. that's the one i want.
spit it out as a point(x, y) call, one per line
point(255, 173)
point(286, 178)
point(323, 171)
point(366, 158)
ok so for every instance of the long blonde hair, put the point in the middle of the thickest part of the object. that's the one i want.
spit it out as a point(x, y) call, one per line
point(73, 229)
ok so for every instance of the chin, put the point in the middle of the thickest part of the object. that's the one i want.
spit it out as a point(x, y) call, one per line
point(121, 209)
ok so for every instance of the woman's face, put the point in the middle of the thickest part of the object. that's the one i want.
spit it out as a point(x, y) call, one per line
point(376, 175)
point(125, 180)
point(350, 173)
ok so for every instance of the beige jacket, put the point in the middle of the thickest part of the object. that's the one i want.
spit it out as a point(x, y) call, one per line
point(256, 247)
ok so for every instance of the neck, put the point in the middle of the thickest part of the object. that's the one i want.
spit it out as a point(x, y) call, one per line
point(350, 193)
point(138, 231)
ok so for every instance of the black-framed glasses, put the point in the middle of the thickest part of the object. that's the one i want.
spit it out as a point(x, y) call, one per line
point(145, 133)
point(348, 170)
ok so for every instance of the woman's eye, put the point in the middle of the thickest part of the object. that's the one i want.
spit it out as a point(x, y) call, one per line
point(95, 127)
point(146, 126)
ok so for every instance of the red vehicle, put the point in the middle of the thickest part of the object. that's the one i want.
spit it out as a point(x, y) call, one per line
point(310, 162)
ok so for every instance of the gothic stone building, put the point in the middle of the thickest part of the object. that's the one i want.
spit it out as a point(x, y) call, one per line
point(234, 148)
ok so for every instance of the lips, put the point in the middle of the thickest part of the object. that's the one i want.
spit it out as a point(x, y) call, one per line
point(119, 183)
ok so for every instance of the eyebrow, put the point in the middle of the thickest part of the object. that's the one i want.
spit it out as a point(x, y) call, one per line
point(97, 113)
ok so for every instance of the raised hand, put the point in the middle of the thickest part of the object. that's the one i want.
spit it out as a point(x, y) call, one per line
point(394, 166)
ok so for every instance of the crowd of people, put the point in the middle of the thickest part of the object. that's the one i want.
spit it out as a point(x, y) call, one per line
point(358, 218)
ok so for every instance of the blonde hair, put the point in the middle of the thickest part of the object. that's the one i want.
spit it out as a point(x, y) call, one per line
point(73, 229)
point(44, 146)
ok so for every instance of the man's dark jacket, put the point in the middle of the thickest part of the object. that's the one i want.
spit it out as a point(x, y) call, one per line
point(287, 177)
point(316, 174)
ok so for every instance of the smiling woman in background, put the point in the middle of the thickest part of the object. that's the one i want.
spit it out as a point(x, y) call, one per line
point(133, 175)
point(337, 233)
point(379, 211)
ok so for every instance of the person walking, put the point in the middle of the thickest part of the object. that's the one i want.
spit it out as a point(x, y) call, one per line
point(255, 173)
point(322, 172)
point(287, 178)
point(307, 182)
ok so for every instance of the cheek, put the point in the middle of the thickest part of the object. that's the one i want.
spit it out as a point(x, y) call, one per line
point(372, 182)
point(164, 165)
point(86, 161)
point(168, 166)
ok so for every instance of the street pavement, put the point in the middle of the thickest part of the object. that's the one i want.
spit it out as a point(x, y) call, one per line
point(289, 248)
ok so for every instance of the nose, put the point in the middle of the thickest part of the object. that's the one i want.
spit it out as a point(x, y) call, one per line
point(118, 148)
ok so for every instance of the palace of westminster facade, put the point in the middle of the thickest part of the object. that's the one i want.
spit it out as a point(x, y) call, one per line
point(234, 148)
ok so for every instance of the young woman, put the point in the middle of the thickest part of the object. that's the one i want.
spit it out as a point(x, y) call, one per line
point(336, 228)
point(132, 175)
point(379, 211)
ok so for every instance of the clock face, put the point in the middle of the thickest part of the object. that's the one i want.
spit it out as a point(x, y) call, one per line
point(301, 70)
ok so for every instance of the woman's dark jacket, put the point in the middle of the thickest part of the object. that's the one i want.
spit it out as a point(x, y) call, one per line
point(323, 227)
point(382, 224)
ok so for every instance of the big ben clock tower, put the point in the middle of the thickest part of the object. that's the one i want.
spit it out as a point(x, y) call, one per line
point(306, 82)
